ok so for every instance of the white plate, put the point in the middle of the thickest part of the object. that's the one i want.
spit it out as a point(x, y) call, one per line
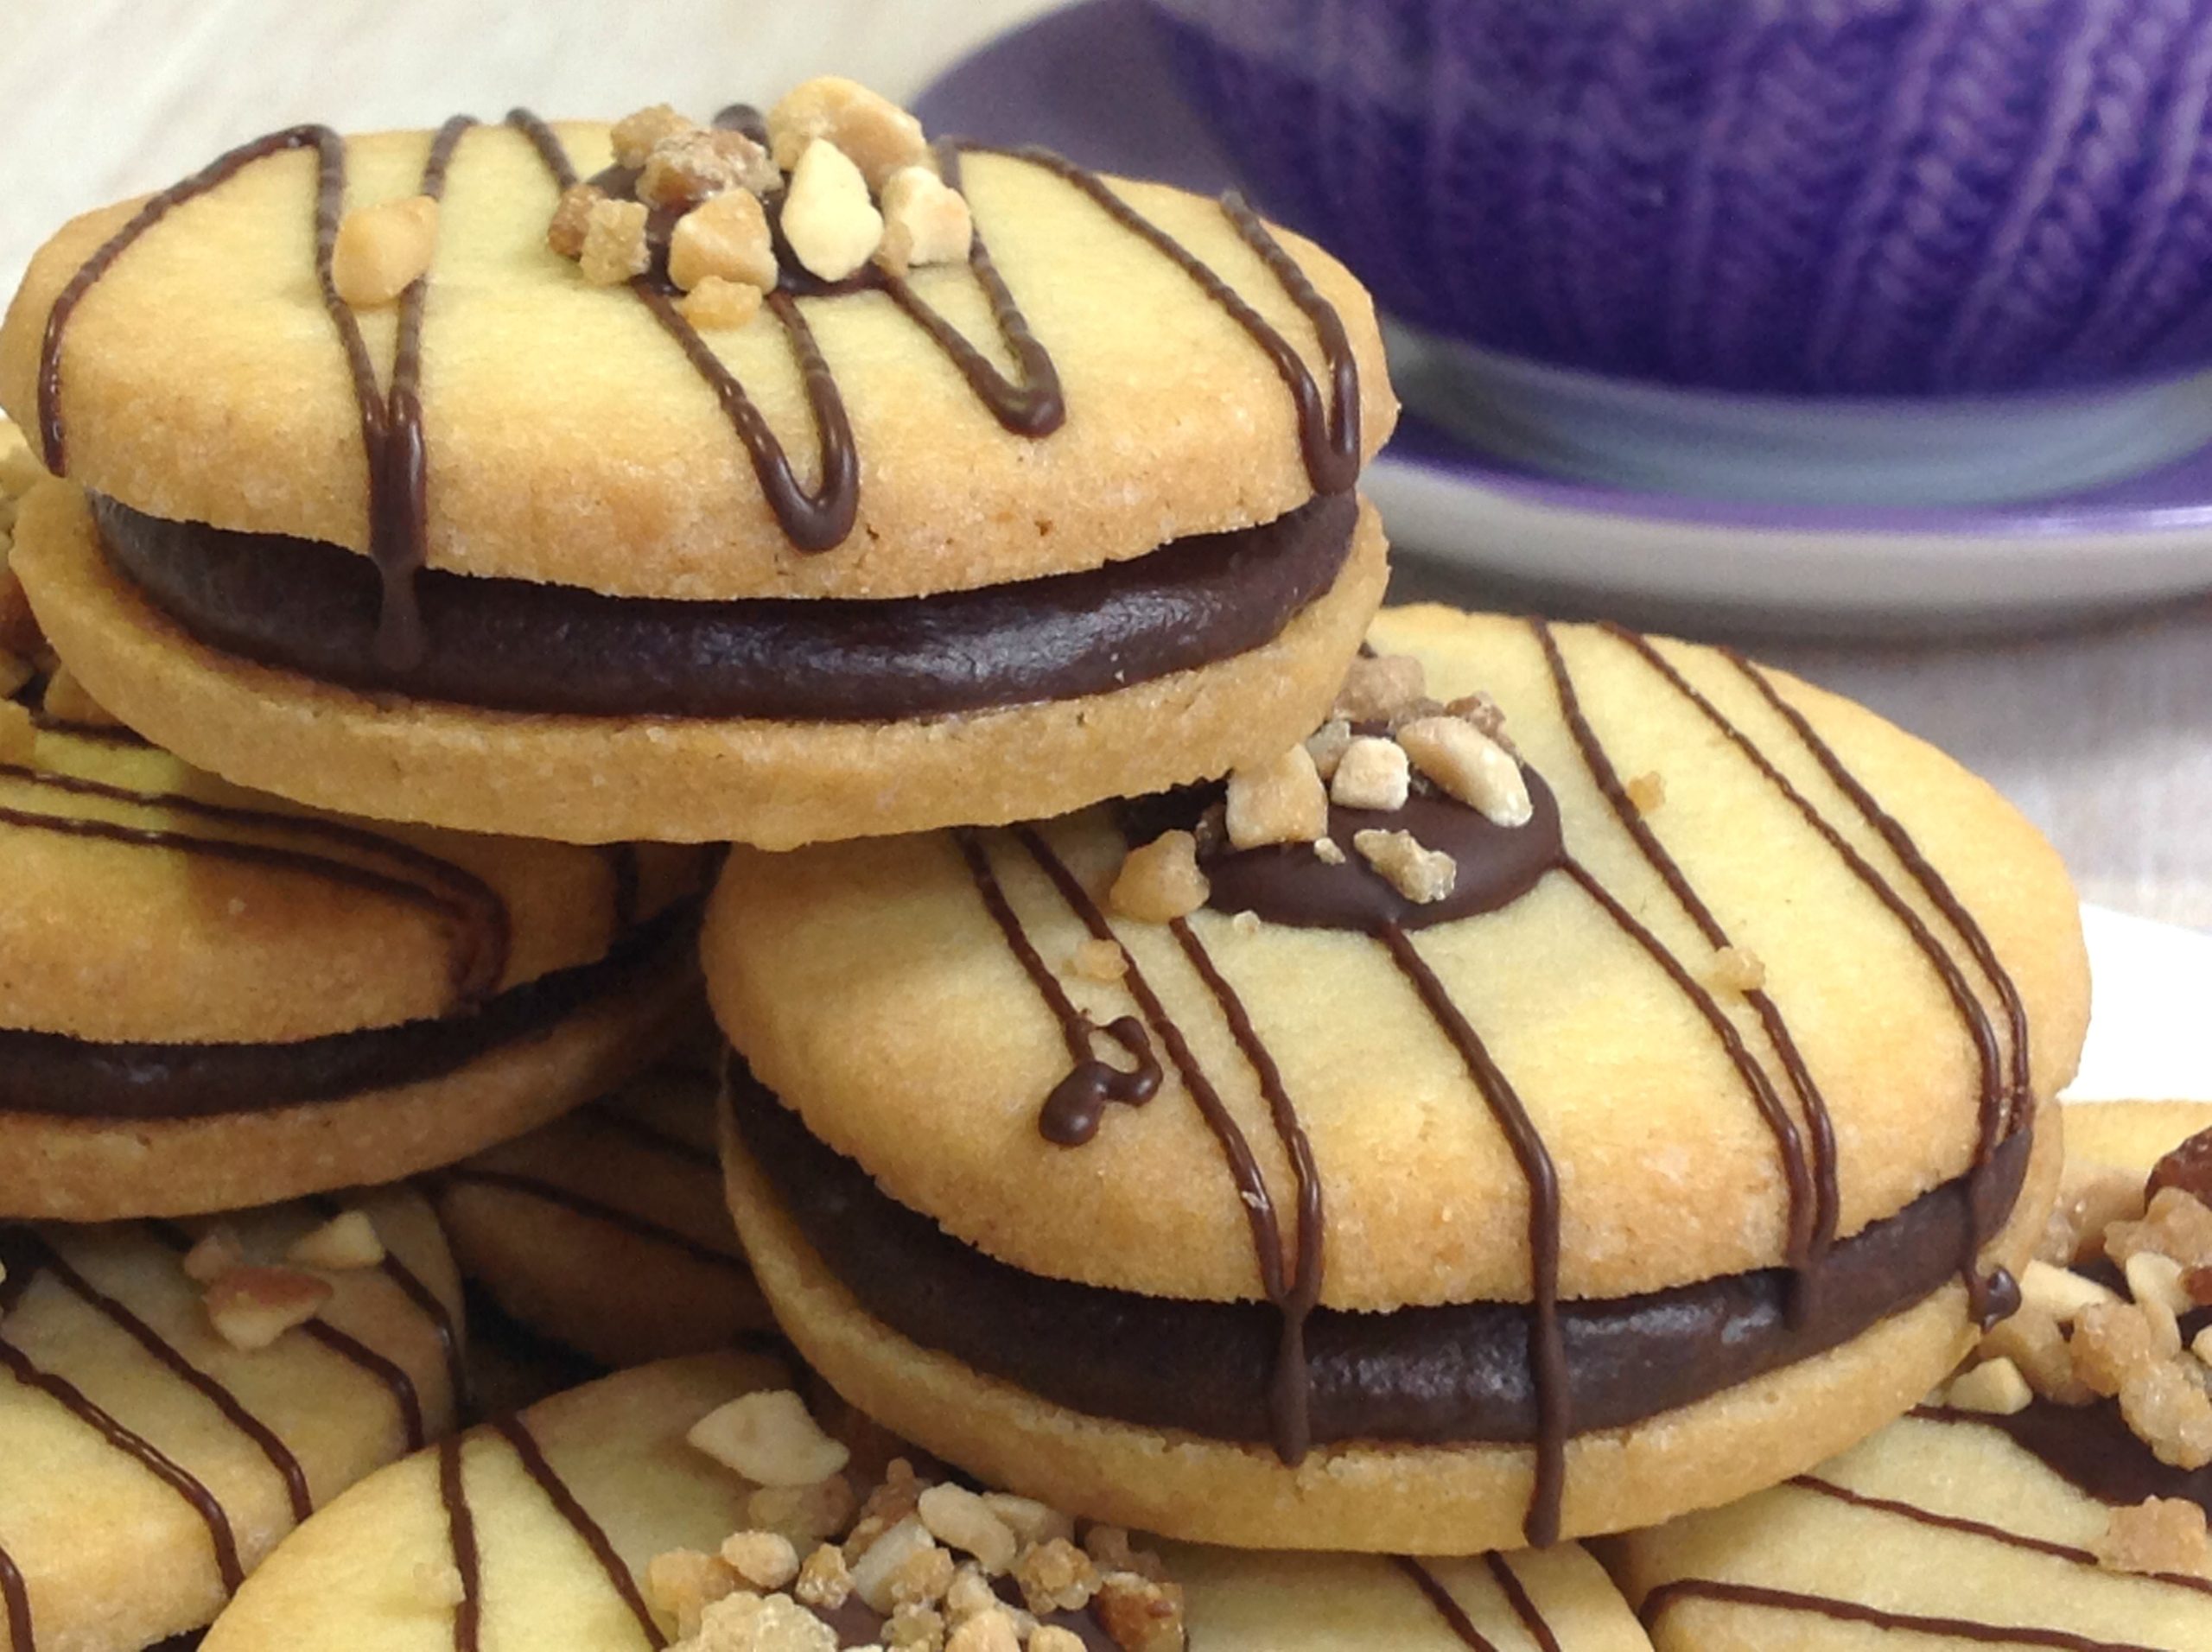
point(2148, 1035)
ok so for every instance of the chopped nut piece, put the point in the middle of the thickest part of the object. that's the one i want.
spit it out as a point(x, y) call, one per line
point(989, 1630)
point(382, 249)
point(1376, 687)
point(824, 1580)
point(2152, 1279)
point(717, 305)
point(932, 219)
point(745, 1622)
point(875, 1572)
point(688, 167)
point(1328, 851)
point(682, 1584)
point(635, 137)
point(1097, 960)
point(215, 1254)
point(764, 1560)
point(2114, 1342)
point(2166, 1408)
point(1110, 1547)
point(1326, 745)
point(2202, 1346)
point(1161, 881)
point(1055, 1576)
point(251, 1307)
point(915, 1628)
point(1737, 970)
point(1050, 1637)
point(960, 1519)
point(2090, 1200)
point(614, 247)
point(1281, 801)
point(881, 137)
point(770, 1437)
point(1465, 763)
point(2061, 1293)
point(1030, 1521)
point(888, 1505)
point(565, 234)
point(1372, 774)
point(727, 237)
point(2163, 1535)
point(2187, 1169)
point(1995, 1385)
point(1647, 791)
point(2177, 1225)
point(1481, 711)
point(348, 1240)
point(831, 226)
point(1139, 1614)
point(805, 1513)
point(2032, 1340)
point(1422, 875)
point(970, 1594)
point(66, 701)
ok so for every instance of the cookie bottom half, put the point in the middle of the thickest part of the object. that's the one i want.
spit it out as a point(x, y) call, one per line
point(582, 779)
point(103, 1169)
point(1365, 1496)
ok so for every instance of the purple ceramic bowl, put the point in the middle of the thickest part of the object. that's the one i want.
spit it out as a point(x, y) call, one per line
point(1895, 197)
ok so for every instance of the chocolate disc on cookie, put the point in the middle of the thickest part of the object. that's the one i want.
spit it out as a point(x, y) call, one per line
point(1591, 1077)
point(173, 1399)
point(2055, 1494)
point(784, 480)
point(607, 1230)
point(213, 999)
point(627, 1514)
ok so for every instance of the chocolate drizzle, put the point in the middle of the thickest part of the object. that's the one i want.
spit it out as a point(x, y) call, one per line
point(613, 1216)
point(813, 519)
point(16, 1596)
point(1516, 1596)
point(1073, 1109)
point(1453, 1614)
point(1667, 1595)
point(461, 1535)
point(427, 1302)
point(2091, 1448)
point(331, 851)
point(517, 1433)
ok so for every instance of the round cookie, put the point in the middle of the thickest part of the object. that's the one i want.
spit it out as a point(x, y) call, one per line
point(213, 999)
point(606, 1230)
point(1062, 506)
point(575, 1570)
point(1992, 1516)
point(151, 1462)
point(1648, 1165)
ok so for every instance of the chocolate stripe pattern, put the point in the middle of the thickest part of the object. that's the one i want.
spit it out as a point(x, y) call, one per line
point(546, 1192)
point(1804, 1144)
point(1661, 1600)
point(813, 519)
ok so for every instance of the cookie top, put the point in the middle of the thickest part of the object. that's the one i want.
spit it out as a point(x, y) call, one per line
point(2054, 1494)
point(157, 1448)
point(143, 900)
point(590, 1523)
point(1662, 1010)
point(588, 435)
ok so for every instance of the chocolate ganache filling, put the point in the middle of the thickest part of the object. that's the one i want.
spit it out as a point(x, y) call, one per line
point(514, 644)
point(1431, 1375)
point(60, 1076)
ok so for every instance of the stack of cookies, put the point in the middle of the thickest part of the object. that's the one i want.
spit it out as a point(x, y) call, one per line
point(1360, 1100)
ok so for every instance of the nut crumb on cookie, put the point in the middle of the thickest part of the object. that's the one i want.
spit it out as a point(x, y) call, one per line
point(571, 218)
point(1281, 801)
point(1098, 960)
point(771, 1438)
point(2159, 1536)
point(728, 237)
point(382, 249)
point(251, 1307)
point(928, 218)
point(686, 169)
point(1378, 687)
point(830, 224)
point(635, 137)
point(614, 245)
point(1737, 970)
point(1422, 875)
point(717, 305)
point(214, 1253)
point(1465, 763)
point(1371, 774)
point(1647, 791)
point(348, 1240)
point(1995, 1387)
point(881, 137)
point(1161, 881)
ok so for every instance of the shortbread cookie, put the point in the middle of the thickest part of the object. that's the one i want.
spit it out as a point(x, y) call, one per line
point(590, 1523)
point(492, 499)
point(606, 1230)
point(1398, 1172)
point(2055, 1495)
point(173, 1399)
point(213, 999)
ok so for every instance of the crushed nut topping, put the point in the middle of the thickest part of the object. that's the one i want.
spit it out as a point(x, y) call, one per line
point(1327, 744)
point(925, 220)
point(1422, 875)
point(1647, 791)
point(1098, 960)
point(615, 248)
point(717, 305)
point(636, 137)
point(942, 1566)
point(348, 1240)
point(382, 249)
point(1465, 763)
point(1995, 1386)
point(686, 169)
point(1161, 881)
point(565, 234)
point(831, 226)
point(1376, 686)
point(1371, 774)
point(1737, 970)
point(2162, 1536)
point(881, 137)
point(1281, 801)
point(771, 1438)
point(728, 237)
point(251, 1307)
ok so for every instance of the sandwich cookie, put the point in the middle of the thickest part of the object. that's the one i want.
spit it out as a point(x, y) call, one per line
point(1613, 1090)
point(626, 1513)
point(213, 999)
point(784, 480)
point(175, 1400)
point(606, 1230)
point(2054, 1494)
